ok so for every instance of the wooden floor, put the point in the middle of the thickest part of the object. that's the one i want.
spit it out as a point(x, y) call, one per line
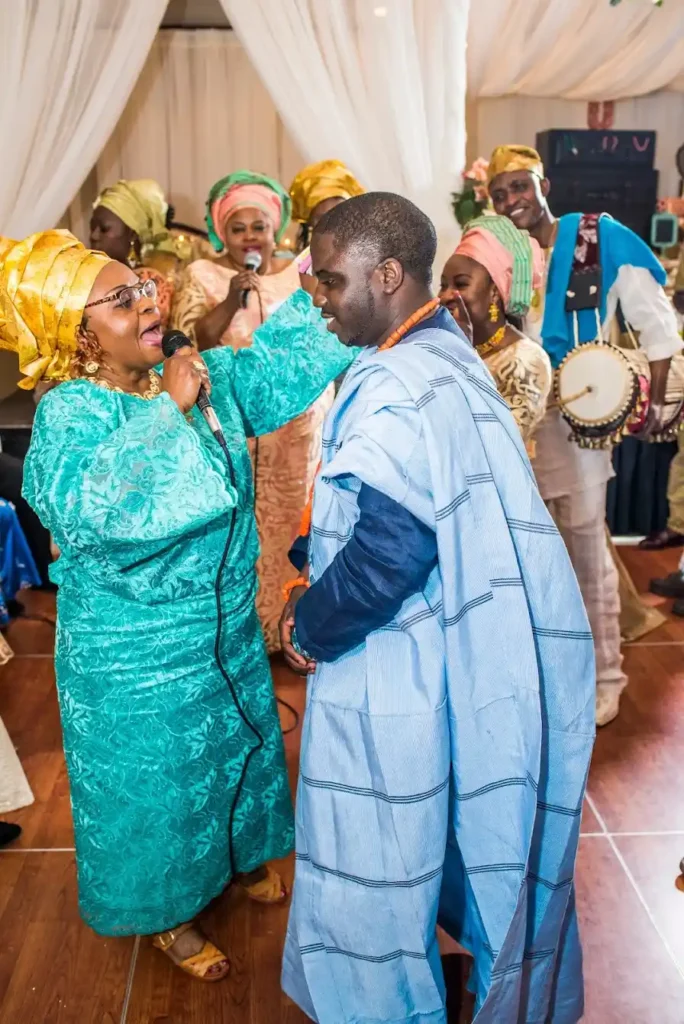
point(54, 970)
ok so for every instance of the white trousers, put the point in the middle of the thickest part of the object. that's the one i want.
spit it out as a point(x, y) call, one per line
point(580, 517)
point(15, 791)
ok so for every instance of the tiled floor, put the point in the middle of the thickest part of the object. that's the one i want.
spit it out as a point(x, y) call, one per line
point(54, 970)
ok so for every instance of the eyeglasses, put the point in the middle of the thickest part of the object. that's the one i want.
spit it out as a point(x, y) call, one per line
point(129, 296)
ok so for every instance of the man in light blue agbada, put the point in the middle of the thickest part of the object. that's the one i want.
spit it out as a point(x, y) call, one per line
point(450, 710)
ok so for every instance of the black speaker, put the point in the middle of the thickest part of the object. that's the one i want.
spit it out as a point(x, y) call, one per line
point(628, 194)
point(567, 147)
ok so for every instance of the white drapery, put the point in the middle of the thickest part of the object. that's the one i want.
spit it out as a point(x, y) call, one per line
point(68, 68)
point(574, 49)
point(198, 112)
point(380, 86)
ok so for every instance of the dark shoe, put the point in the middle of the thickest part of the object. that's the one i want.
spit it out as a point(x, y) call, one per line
point(678, 608)
point(661, 540)
point(8, 833)
point(668, 586)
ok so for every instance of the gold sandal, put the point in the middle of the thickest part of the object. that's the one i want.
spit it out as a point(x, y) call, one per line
point(270, 889)
point(197, 965)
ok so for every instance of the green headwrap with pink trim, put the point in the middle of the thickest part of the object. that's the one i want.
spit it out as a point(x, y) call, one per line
point(244, 189)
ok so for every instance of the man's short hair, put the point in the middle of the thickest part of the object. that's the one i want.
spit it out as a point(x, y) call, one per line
point(384, 225)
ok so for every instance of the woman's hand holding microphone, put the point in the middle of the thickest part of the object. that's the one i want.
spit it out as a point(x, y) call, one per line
point(184, 373)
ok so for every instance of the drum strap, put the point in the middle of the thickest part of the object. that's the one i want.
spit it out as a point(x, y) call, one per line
point(584, 286)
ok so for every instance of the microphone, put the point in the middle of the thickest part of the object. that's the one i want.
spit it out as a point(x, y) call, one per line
point(171, 343)
point(252, 262)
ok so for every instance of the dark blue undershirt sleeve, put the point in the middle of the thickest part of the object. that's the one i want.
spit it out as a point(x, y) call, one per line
point(299, 552)
point(389, 557)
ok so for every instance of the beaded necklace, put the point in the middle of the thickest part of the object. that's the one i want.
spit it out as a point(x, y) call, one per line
point(415, 318)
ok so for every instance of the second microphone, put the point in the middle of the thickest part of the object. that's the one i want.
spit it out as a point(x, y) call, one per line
point(252, 262)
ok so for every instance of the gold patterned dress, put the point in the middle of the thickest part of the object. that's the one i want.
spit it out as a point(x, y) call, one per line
point(523, 376)
point(284, 462)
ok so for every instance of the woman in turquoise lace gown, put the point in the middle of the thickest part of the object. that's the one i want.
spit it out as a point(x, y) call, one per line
point(135, 491)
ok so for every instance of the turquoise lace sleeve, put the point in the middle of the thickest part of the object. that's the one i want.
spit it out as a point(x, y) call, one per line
point(117, 477)
point(292, 359)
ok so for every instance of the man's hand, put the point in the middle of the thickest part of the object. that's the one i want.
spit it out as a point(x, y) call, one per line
point(656, 409)
point(294, 660)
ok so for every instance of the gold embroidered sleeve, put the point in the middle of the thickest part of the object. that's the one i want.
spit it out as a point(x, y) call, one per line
point(523, 378)
point(190, 305)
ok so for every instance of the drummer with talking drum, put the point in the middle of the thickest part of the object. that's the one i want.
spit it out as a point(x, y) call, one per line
point(572, 479)
point(603, 390)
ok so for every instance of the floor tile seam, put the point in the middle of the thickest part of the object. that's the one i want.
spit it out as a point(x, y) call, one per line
point(635, 886)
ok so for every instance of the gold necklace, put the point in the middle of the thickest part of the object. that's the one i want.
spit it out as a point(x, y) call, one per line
point(488, 346)
point(152, 392)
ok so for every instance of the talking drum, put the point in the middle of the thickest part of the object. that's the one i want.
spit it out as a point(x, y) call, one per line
point(597, 391)
point(603, 393)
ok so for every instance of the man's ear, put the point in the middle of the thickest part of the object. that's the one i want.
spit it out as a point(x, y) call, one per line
point(392, 275)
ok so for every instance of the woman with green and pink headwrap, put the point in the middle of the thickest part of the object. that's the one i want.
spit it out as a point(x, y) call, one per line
point(488, 284)
point(248, 213)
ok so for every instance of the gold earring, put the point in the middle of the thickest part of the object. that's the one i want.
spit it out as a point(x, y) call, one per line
point(132, 255)
point(91, 367)
point(493, 312)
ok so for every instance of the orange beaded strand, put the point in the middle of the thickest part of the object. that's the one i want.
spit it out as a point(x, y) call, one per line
point(415, 318)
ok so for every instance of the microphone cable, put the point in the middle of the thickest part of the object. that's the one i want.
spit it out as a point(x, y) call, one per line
point(226, 676)
point(222, 669)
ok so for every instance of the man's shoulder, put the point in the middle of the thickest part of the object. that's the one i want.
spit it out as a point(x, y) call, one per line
point(407, 371)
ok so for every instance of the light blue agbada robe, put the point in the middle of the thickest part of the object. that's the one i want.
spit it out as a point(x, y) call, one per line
point(444, 760)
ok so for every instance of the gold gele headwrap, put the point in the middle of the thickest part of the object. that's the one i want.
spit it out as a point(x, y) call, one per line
point(328, 179)
point(45, 282)
point(5, 245)
point(514, 158)
point(141, 205)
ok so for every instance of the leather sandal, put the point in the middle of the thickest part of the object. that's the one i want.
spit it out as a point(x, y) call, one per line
point(270, 889)
point(198, 965)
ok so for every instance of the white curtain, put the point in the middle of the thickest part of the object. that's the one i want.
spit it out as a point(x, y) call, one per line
point(378, 85)
point(198, 112)
point(68, 68)
point(574, 49)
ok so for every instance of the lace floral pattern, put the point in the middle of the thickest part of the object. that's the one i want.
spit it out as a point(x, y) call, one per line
point(523, 376)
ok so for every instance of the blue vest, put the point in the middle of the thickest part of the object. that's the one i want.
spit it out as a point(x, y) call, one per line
point(618, 245)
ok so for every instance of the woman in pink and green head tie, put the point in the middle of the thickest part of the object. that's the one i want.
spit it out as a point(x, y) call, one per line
point(249, 213)
point(488, 284)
